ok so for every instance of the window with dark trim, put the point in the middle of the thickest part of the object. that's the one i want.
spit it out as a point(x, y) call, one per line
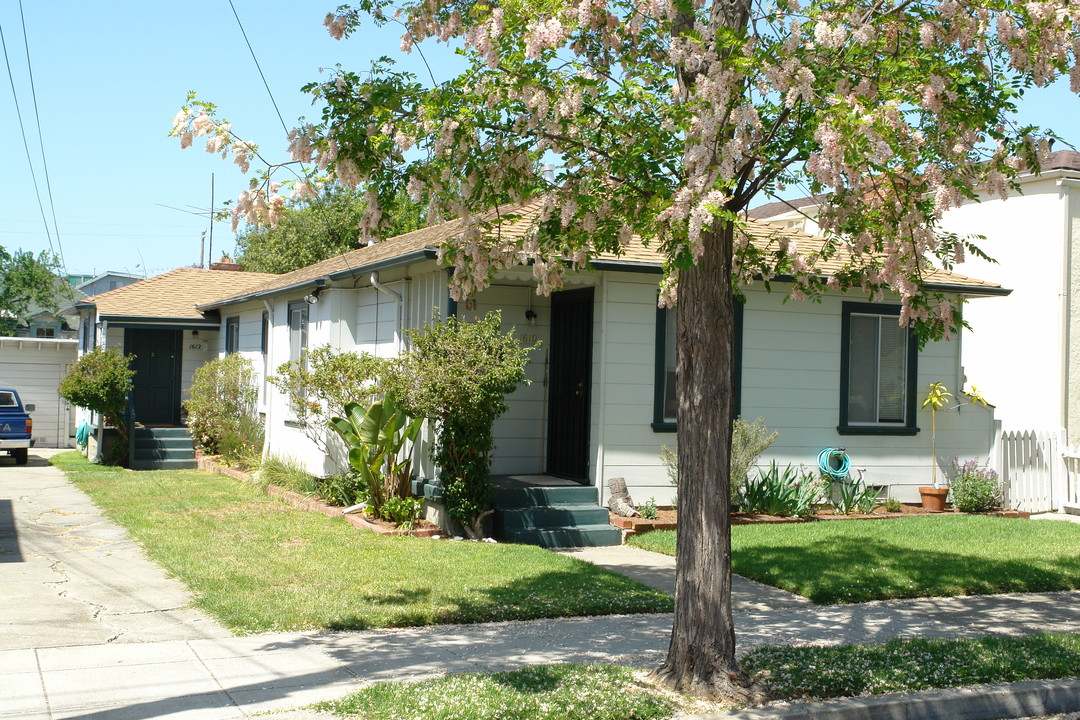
point(232, 334)
point(878, 365)
point(298, 321)
point(264, 347)
point(664, 397)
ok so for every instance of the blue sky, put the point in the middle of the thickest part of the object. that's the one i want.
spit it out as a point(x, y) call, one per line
point(109, 76)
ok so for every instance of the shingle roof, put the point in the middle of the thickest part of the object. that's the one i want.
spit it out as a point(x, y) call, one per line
point(427, 240)
point(174, 294)
point(781, 207)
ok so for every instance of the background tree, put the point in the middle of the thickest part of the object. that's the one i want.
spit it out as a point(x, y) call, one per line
point(667, 119)
point(26, 280)
point(314, 229)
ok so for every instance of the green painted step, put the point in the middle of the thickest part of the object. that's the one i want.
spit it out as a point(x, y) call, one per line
point(164, 464)
point(560, 537)
point(153, 453)
point(534, 496)
point(541, 516)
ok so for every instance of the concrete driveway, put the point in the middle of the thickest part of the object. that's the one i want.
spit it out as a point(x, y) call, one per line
point(70, 577)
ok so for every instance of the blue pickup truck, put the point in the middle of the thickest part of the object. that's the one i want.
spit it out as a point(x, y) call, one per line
point(16, 427)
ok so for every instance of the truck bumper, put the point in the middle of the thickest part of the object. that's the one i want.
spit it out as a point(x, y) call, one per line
point(14, 444)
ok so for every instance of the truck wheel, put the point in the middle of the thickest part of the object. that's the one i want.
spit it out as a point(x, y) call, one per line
point(20, 455)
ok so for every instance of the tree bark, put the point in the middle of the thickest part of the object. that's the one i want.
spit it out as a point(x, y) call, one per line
point(701, 656)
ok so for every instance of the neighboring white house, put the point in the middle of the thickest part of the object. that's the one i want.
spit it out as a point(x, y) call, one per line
point(1022, 352)
point(34, 367)
point(840, 373)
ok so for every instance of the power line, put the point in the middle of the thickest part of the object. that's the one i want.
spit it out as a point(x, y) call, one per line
point(41, 139)
point(26, 143)
point(252, 51)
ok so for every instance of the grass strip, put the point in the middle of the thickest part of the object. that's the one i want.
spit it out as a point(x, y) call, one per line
point(839, 562)
point(609, 692)
point(259, 565)
point(906, 665)
point(546, 692)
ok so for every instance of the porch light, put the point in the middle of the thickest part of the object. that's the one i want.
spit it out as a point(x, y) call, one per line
point(313, 298)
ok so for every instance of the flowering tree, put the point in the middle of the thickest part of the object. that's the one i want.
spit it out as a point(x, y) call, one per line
point(666, 119)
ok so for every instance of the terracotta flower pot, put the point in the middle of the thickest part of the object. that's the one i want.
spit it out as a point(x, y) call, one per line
point(933, 499)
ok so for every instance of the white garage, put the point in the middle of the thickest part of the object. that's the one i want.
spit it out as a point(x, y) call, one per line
point(34, 367)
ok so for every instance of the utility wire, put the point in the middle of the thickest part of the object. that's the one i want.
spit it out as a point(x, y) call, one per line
point(26, 143)
point(41, 140)
point(252, 51)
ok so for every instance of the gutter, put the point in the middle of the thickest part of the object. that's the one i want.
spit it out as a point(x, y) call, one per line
point(351, 273)
point(399, 303)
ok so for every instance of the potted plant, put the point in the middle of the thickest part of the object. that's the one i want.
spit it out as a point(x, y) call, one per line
point(938, 398)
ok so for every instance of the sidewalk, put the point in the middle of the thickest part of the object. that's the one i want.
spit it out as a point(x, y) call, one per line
point(122, 645)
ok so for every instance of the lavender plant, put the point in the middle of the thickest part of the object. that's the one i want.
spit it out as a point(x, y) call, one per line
point(975, 488)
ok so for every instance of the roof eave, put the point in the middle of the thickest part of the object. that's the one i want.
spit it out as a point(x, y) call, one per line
point(409, 257)
point(969, 290)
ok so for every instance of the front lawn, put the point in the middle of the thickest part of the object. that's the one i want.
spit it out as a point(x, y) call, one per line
point(851, 561)
point(260, 565)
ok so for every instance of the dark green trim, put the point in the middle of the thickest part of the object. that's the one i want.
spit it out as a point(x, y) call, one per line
point(451, 303)
point(876, 430)
point(660, 424)
point(909, 427)
point(634, 267)
point(168, 322)
point(162, 326)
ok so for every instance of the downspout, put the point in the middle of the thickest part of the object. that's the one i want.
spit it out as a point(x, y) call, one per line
point(398, 301)
point(266, 372)
point(1064, 351)
point(101, 420)
point(599, 474)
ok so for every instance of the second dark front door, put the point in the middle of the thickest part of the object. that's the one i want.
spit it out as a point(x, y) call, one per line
point(156, 391)
point(570, 384)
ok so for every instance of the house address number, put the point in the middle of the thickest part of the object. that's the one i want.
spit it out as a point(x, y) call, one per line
point(195, 346)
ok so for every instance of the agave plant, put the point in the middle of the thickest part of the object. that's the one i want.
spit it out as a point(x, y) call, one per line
point(376, 436)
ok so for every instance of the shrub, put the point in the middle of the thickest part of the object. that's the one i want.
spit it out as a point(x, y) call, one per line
point(100, 382)
point(852, 495)
point(748, 441)
point(892, 505)
point(648, 509)
point(344, 489)
point(402, 511)
point(457, 373)
point(378, 437)
point(974, 488)
point(221, 408)
point(784, 494)
point(320, 383)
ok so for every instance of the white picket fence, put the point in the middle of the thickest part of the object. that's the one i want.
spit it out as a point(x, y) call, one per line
point(1039, 471)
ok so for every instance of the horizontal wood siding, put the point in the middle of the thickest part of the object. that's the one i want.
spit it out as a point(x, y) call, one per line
point(791, 378)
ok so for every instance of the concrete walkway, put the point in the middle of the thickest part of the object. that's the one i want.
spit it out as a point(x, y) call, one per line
point(89, 628)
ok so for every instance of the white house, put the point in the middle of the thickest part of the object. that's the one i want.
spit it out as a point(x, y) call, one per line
point(1023, 352)
point(841, 373)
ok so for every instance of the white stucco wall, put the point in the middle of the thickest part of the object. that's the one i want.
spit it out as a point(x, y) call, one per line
point(34, 367)
point(1015, 352)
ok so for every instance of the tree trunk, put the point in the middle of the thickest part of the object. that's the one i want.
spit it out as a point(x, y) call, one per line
point(701, 656)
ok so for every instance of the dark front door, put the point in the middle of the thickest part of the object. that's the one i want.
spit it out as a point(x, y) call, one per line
point(569, 389)
point(156, 391)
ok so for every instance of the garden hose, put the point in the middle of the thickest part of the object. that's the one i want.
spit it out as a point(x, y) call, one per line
point(834, 462)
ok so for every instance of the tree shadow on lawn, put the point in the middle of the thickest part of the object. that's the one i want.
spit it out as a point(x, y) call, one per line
point(859, 570)
point(583, 590)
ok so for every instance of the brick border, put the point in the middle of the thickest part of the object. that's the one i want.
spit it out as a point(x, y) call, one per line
point(302, 502)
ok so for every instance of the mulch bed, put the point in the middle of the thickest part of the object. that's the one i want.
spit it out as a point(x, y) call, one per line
point(422, 528)
point(667, 518)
